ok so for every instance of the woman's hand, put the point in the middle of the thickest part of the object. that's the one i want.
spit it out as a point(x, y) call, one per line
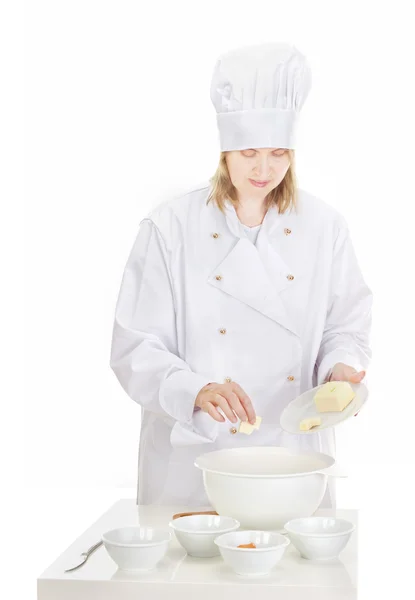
point(342, 372)
point(230, 398)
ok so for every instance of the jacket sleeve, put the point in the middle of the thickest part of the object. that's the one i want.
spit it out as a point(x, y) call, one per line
point(348, 323)
point(144, 354)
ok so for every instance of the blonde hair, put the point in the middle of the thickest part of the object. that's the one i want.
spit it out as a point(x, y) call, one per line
point(284, 196)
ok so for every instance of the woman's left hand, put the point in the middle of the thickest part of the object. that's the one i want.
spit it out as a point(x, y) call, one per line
point(342, 372)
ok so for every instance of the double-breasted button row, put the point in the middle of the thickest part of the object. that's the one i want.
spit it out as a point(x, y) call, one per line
point(222, 331)
point(290, 277)
point(287, 231)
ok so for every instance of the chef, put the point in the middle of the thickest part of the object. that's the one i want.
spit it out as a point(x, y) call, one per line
point(240, 294)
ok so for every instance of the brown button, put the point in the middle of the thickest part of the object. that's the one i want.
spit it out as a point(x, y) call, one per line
point(228, 380)
point(222, 331)
point(287, 231)
point(215, 235)
point(290, 277)
point(218, 277)
point(290, 378)
point(233, 430)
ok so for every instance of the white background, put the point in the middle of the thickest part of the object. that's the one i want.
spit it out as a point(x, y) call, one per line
point(117, 118)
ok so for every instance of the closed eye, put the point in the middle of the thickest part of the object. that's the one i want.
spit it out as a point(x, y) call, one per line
point(251, 153)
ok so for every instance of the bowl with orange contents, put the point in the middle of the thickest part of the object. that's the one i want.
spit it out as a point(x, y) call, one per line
point(252, 553)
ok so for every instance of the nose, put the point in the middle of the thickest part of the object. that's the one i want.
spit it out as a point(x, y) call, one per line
point(262, 169)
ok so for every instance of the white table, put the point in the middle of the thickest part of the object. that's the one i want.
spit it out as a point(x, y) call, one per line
point(180, 576)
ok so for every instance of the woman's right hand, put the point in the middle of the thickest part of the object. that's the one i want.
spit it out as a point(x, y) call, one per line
point(230, 398)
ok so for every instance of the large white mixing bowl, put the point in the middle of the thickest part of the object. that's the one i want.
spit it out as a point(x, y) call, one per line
point(264, 487)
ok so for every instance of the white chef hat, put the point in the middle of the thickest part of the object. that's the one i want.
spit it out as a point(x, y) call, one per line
point(257, 92)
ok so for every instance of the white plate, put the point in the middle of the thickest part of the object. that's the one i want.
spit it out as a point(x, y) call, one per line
point(304, 407)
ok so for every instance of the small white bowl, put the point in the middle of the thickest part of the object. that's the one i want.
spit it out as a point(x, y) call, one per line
point(197, 533)
point(319, 538)
point(270, 547)
point(136, 548)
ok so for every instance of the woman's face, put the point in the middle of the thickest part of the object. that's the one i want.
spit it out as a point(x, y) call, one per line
point(267, 165)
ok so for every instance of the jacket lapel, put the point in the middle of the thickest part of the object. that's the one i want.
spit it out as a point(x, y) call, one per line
point(257, 274)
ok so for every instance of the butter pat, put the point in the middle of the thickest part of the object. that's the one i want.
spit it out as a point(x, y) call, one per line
point(334, 396)
point(307, 424)
point(246, 427)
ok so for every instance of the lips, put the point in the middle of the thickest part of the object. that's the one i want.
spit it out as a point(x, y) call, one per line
point(259, 183)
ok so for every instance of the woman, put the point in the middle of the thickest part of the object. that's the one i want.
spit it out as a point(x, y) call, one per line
point(238, 295)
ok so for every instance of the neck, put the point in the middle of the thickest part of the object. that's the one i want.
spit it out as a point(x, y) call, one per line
point(251, 211)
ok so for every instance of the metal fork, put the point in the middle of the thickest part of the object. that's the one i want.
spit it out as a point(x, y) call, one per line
point(86, 555)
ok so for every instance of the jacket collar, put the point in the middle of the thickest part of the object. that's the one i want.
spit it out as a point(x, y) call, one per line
point(271, 220)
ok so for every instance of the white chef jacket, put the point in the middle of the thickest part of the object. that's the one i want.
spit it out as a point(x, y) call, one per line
point(200, 303)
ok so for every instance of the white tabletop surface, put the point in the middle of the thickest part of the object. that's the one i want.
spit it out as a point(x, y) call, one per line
point(188, 578)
